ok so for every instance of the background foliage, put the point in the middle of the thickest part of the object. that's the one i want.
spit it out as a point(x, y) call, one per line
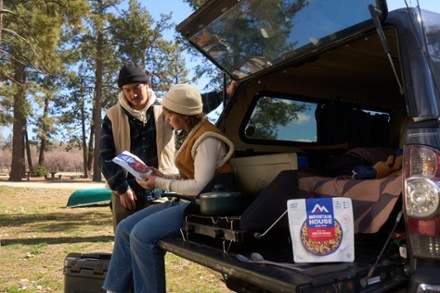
point(59, 62)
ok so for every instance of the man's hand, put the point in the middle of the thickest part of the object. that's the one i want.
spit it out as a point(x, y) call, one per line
point(128, 199)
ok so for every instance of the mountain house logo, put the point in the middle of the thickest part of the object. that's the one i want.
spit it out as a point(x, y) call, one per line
point(319, 209)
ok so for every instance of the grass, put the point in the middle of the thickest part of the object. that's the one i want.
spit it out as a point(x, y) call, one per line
point(37, 232)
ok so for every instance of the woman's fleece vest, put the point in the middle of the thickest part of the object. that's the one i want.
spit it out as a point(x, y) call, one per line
point(186, 154)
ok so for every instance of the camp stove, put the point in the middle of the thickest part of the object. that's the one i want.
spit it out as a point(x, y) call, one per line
point(266, 213)
point(217, 227)
point(227, 232)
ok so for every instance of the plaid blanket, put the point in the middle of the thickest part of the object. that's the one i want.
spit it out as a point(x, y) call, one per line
point(373, 199)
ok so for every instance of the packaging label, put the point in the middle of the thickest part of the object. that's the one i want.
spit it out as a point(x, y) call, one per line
point(320, 219)
point(321, 229)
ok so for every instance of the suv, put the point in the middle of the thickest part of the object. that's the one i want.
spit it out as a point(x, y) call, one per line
point(335, 99)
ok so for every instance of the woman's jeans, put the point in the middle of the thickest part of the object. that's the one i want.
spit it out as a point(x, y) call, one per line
point(136, 257)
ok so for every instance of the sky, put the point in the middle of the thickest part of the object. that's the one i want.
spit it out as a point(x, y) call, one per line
point(181, 10)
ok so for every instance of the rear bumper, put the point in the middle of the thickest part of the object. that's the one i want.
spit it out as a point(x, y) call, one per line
point(425, 279)
point(250, 277)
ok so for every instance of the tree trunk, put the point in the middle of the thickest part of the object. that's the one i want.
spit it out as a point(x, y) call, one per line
point(44, 133)
point(19, 125)
point(97, 119)
point(28, 151)
point(84, 141)
point(90, 149)
point(41, 156)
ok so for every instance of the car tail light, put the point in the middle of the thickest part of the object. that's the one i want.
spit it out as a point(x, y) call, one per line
point(421, 198)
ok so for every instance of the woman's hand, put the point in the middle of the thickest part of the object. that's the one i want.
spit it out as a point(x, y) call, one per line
point(148, 182)
point(156, 172)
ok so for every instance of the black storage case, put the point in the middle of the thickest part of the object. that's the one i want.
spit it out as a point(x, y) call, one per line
point(85, 272)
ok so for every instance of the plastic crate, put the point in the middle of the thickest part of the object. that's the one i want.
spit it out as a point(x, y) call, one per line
point(85, 272)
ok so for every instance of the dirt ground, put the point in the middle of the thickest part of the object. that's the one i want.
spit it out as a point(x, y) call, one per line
point(52, 185)
point(67, 181)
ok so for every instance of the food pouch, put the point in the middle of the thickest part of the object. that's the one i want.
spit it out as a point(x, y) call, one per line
point(321, 229)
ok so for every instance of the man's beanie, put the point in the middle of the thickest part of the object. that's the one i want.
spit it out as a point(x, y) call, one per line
point(183, 99)
point(132, 73)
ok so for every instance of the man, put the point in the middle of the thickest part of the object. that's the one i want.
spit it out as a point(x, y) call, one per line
point(136, 124)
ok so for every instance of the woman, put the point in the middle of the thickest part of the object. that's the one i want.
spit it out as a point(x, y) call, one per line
point(204, 153)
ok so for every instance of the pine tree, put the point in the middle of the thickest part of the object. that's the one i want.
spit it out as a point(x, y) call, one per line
point(29, 42)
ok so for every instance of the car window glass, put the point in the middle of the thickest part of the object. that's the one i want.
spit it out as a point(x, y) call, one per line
point(282, 119)
point(275, 119)
point(254, 35)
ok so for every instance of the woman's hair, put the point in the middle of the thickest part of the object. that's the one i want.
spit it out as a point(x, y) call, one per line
point(192, 120)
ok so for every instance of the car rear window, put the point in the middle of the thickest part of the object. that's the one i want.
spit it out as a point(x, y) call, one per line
point(273, 118)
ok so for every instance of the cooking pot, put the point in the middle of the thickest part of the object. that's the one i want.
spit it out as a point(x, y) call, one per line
point(219, 203)
point(215, 203)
